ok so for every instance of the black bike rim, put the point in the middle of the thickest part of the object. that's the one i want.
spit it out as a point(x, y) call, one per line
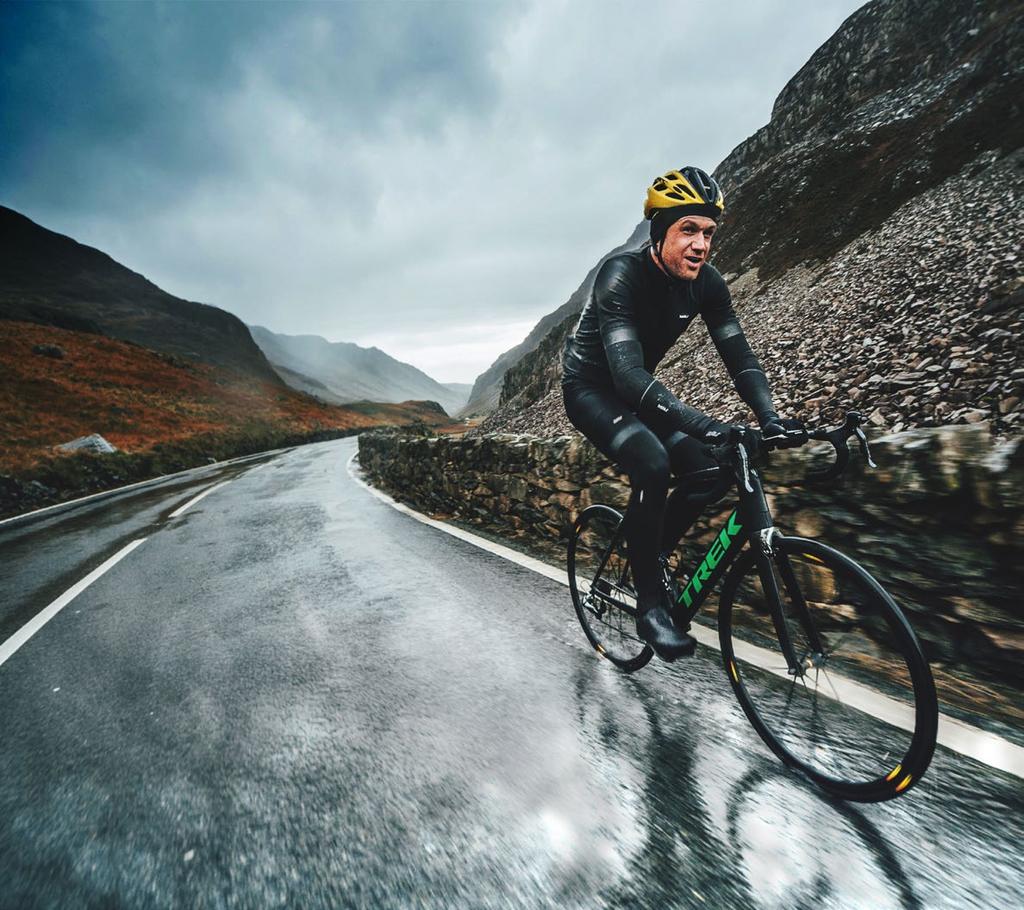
point(904, 773)
point(587, 603)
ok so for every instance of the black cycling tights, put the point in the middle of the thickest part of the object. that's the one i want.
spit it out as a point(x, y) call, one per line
point(651, 525)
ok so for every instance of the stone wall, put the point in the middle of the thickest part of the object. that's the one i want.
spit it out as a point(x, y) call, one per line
point(940, 521)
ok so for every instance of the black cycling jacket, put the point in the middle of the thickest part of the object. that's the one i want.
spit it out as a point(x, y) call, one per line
point(634, 315)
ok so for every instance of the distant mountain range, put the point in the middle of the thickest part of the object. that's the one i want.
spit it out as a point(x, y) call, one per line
point(88, 346)
point(49, 279)
point(340, 372)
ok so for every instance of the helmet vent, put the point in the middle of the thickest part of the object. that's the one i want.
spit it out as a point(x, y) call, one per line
point(688, 186)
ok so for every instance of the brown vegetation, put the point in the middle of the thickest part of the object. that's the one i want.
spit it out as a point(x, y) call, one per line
point(162, 412)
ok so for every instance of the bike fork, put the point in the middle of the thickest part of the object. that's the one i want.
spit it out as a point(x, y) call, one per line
point(757, 517)
point(766, 561)
point(796, 596)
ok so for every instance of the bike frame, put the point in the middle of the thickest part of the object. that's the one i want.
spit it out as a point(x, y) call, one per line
point(708, 572)
point(750, 522)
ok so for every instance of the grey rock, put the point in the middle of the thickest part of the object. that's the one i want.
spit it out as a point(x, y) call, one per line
point(49, 350)
point(92, 443)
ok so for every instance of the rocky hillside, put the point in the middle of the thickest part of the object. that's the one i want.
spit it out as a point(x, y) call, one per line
point(905, 95)
point(88, 346)
point(873, 237)
point(341, 372)
point(50, 279)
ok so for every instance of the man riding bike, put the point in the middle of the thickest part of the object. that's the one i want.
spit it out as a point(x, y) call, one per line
point(641, 303)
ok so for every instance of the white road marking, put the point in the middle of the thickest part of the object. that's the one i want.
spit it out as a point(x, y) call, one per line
point(178, 511)
point(987, 748)
point(527, 562)
point(153, 481)
point(9, 647)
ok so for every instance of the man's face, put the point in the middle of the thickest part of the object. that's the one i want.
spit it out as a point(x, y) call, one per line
point(687, 245)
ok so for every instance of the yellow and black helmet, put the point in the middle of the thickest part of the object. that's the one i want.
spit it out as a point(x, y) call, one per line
point(688, 191)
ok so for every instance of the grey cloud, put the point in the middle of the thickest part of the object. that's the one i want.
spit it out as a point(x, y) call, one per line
point(105, 101)
point(378, 170)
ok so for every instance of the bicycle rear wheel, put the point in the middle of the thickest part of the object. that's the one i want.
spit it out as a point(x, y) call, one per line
point(858, 715)
point(601, 584)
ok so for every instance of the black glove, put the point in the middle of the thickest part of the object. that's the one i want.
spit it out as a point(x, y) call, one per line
point(752, 441)
point(784, 433)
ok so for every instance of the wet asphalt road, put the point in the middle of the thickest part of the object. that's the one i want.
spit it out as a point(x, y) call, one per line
point(294, 695)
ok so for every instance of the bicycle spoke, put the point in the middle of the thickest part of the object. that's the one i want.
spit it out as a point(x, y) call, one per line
point(826, 746)
point(842, 638)
point(852, 649)
point(828, 679)
point(789, 699)
point(597, 554)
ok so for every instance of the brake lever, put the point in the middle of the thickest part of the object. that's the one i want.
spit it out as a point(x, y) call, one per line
point(864, 447)
point(744, 467)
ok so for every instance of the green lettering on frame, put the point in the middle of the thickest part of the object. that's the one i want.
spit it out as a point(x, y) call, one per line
point(712, 558)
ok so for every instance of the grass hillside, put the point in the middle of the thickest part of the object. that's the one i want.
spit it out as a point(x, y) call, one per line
point(164, 413)
point(50, 279)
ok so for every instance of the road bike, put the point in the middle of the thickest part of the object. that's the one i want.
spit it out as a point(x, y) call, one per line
point(822, 660)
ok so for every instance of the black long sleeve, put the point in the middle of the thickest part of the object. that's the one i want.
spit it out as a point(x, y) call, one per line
point(634, 315)
point(732, 346)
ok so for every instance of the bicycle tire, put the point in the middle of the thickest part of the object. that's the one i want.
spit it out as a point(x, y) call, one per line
point(859, 662)
point(602, 589)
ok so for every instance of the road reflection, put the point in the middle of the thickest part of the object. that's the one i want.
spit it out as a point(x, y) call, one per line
point(799, 848)
point(716, 823)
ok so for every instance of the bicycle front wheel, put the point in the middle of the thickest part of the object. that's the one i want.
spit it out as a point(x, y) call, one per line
point(852, 704)
point(601, 584)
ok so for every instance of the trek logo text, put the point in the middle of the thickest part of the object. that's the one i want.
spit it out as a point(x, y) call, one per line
point(711, 559)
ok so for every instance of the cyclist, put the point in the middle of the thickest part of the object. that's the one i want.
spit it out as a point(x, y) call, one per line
point(641, 303)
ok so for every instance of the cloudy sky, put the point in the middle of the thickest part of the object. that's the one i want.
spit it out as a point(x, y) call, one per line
point(427, 177)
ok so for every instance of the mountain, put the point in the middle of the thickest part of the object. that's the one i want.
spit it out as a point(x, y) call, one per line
point(904, 96)
point(161, 413)
point(871, 237)
point(486, 393)
point(49, 279)
point(461, 391)
point(88, 347)
point(340, 371)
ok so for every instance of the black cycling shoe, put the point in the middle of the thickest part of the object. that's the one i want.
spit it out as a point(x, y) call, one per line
point(654, 625)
